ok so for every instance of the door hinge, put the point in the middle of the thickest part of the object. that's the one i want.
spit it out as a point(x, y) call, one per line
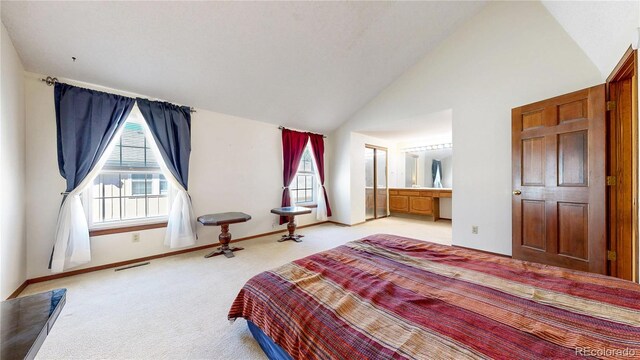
point(611, 255)
point(611, 105)
point(611, 180)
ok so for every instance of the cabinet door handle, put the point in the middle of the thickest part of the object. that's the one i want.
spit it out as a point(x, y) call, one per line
point(517, 192)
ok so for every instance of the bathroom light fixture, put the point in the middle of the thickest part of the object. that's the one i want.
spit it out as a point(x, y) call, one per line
point(428, 147)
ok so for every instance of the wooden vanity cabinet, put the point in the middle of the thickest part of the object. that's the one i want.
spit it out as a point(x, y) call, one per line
point(398, 203)
point(417, 201)
point(421, 205)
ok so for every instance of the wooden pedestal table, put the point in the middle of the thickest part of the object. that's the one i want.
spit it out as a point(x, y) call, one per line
point(223, 220)
point(290, 212)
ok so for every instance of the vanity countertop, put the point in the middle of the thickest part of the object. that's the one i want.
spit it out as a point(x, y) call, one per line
point(420, 188)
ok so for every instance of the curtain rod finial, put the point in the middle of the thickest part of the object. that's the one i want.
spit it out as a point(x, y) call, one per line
point(49, 80)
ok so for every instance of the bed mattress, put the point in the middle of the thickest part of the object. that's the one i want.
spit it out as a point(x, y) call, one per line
point(385, 297)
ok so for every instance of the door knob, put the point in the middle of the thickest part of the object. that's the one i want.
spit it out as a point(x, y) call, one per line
point(517, 192)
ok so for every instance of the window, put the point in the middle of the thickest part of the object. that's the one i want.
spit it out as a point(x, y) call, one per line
point(130, 187)
point(303, 189)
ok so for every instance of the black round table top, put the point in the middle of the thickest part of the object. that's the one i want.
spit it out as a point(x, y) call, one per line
point(223, 218)
point(291, 210)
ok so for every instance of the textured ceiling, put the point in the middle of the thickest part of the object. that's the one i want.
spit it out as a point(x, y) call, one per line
point(307, 65)
point(603, 29)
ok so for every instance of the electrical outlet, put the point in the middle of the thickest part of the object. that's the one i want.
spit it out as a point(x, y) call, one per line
point(135, 237)
point(474, 229)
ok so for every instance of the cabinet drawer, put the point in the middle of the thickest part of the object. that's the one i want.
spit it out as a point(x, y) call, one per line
point(445, 194)
point(421, 205)
point(399, 203)
point(393, 192)
point(408, 193)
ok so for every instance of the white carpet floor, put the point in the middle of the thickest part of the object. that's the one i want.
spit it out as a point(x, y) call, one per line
point(176, 307)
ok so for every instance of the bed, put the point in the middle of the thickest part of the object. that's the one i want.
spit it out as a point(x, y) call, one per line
point(386, 297)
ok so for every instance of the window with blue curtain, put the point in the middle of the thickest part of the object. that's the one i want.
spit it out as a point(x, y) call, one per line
point(131, 186)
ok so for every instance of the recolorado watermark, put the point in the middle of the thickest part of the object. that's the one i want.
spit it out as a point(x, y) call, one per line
point(587, 351)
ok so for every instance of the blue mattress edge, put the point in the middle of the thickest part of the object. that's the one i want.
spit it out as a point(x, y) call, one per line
point(270, 348)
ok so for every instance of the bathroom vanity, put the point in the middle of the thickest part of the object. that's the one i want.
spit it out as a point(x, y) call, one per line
point(418, 201)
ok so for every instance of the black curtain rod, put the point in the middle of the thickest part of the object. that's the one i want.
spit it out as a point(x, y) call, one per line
point(50, 81)
point(282, 128)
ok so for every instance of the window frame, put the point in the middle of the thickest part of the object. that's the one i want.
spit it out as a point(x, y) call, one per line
point(136, 224)
point(314, 179)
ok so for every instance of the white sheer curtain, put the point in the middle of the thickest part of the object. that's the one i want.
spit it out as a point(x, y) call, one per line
point(321, 210)
point(181, 223)
point(73, 247)
point(437, 182)
point(181, 226)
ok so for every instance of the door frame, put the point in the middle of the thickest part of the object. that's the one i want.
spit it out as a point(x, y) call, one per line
point(375, 179)
point(627, 68)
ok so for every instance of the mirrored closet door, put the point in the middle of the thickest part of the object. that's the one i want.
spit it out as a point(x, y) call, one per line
point(375, 182)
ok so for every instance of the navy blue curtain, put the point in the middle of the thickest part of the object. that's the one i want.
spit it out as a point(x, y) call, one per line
point(170, 126)
point(86, 121)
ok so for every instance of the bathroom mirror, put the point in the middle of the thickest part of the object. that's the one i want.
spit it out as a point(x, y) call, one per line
point(429, 168)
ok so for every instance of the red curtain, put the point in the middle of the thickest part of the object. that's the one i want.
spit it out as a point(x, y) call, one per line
point(293, 144)
point(317, 146)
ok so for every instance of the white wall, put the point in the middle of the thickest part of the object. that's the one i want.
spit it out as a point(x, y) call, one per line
point(236, 165)
point(340, 195)
point(13, 248)
point(509, 54)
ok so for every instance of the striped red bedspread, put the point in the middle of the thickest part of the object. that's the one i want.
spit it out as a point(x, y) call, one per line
point(386, 297)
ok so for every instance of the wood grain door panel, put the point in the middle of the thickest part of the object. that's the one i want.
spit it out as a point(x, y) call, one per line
point(573, 230)
point(558, 149)
point(534, 236)
point(533, 161)
point(575, 110)
point(573, 158)
point(532, 120)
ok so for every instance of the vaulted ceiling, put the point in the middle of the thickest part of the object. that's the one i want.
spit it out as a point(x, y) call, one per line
point(603, 29)
point(306, 65)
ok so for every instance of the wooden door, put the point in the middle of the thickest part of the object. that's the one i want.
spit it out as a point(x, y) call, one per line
point(558, 150)
point(622, 191)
